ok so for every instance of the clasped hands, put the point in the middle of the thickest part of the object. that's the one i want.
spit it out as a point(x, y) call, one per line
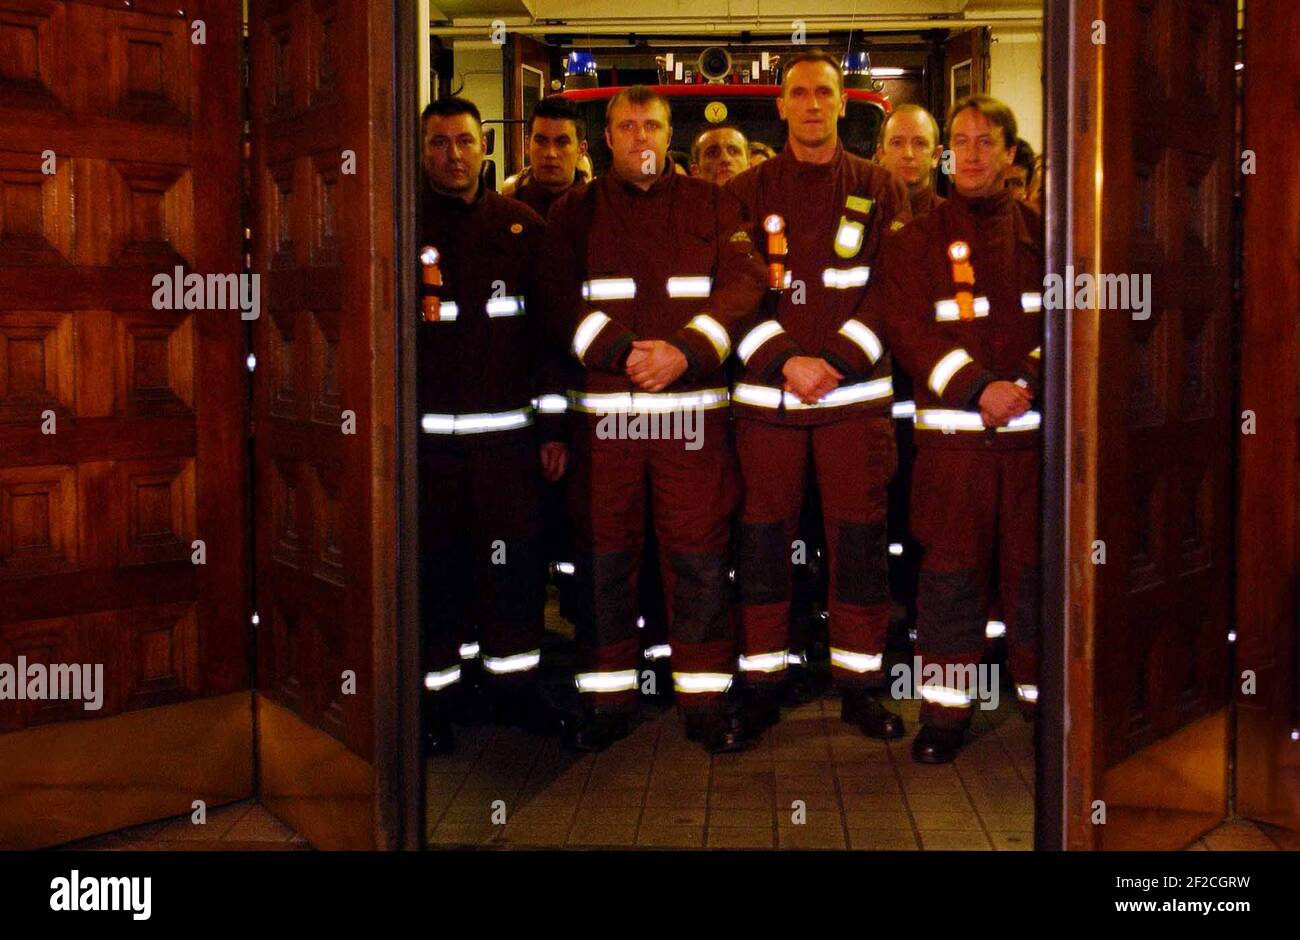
point(1003, 401)
point(654, 364)
point(810, 378)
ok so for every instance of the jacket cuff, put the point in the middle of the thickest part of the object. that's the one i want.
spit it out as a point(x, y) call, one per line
point(694, 367)
point(968, 396)
point(553, 428)
point(607, 348)
point(765, 349)
point(702, 353)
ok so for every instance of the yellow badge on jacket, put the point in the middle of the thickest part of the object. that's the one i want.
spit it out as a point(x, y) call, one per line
point(848, 237)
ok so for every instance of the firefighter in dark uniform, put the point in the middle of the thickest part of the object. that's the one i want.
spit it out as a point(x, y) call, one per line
point(910, 148)
point(962, 300)
point(647, 294)
point(815, 390)
point(480, 472)
point(557, 141)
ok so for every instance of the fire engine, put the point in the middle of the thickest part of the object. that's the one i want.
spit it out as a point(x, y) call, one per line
point(716, 89)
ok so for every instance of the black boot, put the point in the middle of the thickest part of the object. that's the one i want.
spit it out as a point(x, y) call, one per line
point(721, 729)
point(469, 703)
point(865, 710)
point(761, 706)
point(438, 737)
point(936, 745)
point(800, 687)
point(597, 729)
point(527, 709)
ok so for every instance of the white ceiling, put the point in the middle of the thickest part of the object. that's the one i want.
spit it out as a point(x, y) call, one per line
point(730, 15)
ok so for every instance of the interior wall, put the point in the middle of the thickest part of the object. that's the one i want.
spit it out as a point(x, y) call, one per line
point(479, 75)
point(1016, 77)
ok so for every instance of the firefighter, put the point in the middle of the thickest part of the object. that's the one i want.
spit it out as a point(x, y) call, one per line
point(962, 299)
point(480, 469)
point(815, 391)
point(1019, 177)
point(557, 142)
point(719, 153)
point(910, 149)
point(646, 294)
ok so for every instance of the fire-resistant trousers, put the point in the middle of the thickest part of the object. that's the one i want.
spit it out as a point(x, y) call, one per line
point(966, 505)
point(481, 559)
point(853, 460)
point(693, 495)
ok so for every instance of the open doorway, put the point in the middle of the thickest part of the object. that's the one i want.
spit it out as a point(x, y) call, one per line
point(813, 781)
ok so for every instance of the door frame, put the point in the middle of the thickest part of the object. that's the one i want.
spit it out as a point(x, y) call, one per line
point(1051, 764)
point(407, 777)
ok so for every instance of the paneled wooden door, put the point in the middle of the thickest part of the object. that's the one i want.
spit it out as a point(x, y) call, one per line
point(1150, 429)
point(122, 423)
point(324, 415)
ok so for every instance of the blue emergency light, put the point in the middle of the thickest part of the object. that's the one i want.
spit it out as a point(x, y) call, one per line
point(580, 63)
point(580, 70)
point(857, 63)
point(857, 70)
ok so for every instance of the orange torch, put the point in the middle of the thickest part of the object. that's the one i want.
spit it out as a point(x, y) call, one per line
point(431, 302)
point(774, 225)
point(963, 274)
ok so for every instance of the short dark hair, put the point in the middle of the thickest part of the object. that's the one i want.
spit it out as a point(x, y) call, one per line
point(559, 108)
point(813, 55)
point(450, 107)
point(640, 95)
point(1024, 158)
point(997, 113)
point(695, 144)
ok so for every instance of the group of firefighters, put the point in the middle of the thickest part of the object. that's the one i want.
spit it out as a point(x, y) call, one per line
point(768, 300)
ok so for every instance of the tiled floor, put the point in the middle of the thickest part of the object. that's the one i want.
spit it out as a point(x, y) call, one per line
point(237, 827)
point(1243, 835)
point(814, 783)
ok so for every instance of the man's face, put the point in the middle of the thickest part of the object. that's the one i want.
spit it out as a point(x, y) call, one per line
point(811, 102)
point(909, 150)
point(1016, 179)
point(723, 153)
point(637, 136)
point(553, 151)
point(980, 153)
point(453, 152)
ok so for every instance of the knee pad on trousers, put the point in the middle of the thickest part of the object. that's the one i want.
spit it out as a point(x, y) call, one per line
point(763, 565)
point(861, 568)
point(606, 601)
point(700, 591)
point(517, 587)
point(1028, 613)
point(951, 620)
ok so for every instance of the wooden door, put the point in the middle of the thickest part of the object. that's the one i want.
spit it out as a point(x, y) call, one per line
point(1268, 714)
point(122, 423)
point(324, 414)
point(1150, 428)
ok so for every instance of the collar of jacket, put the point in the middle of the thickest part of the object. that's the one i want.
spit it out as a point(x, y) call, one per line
point(804, 170)
point(662, 181)
point(453, 203)
point(525, 179)
point(996, 207)
point(1000, 202)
